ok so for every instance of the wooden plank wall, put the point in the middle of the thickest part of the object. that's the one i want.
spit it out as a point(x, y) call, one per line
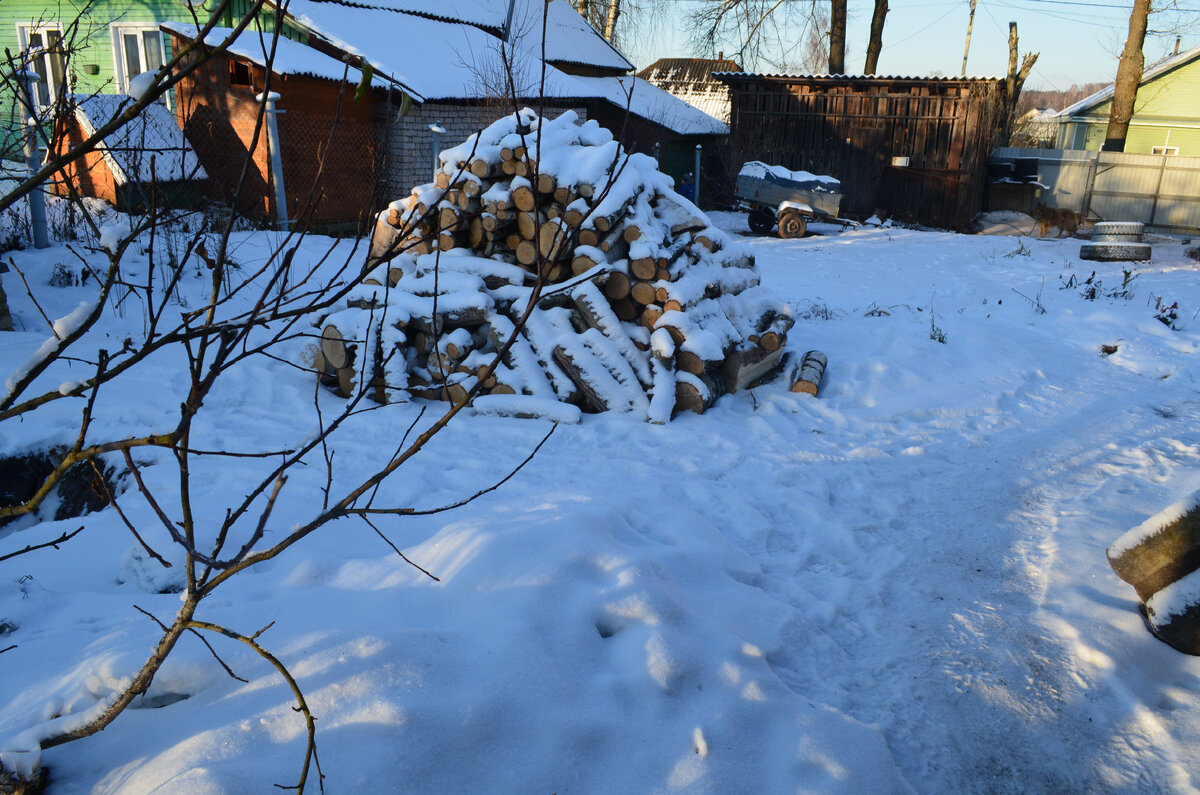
point(851, 128)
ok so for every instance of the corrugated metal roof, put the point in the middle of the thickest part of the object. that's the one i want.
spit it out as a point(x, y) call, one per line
point(1154, 71)
point(729, 76)
point(691, 80)
point(687, 70)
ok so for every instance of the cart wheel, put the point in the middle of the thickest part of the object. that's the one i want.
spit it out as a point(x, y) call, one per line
point(792, 225)
point(761, 221)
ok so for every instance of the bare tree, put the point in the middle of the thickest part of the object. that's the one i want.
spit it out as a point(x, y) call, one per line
point(773, 32)
point(1015, 80)
point(875, 39)
point(837, 37)
point(249, 316)
point(1129, 76)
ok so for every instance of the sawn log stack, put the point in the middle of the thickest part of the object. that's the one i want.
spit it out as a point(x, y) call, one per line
point(546, 242)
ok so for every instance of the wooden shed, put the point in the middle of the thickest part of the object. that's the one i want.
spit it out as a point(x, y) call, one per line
point(915, 148)
point(327, 139)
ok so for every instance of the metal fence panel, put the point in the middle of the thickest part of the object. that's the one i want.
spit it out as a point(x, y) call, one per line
point(1161, 191)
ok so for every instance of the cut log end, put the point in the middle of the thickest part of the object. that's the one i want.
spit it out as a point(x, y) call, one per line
point(812, 370)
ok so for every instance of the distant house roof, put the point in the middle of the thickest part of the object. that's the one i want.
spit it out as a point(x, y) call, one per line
point(1151, 73)
point(651, 102)
point(691, 79)
point(750, 76)
point(687, 70)
point(154, 133)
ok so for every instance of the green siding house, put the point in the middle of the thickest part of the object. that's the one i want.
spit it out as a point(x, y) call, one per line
point(1166, 116)
point(81, 48)
point(85, 48)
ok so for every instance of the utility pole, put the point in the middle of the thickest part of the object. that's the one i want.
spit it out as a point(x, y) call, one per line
point(967, 49)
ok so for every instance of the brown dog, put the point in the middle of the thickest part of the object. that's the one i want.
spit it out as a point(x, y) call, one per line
point(1066, 221)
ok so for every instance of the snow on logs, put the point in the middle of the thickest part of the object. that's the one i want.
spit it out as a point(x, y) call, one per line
point(1160, 558)
point(643, 305)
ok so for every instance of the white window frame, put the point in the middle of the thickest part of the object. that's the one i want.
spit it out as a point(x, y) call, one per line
point(55, 84)
point(120, 61)
point(1164, 150)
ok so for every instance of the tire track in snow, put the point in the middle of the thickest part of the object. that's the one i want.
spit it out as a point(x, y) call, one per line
point(904, 604)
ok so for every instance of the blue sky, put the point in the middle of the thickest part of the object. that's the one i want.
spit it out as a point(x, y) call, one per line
point(1078, 40)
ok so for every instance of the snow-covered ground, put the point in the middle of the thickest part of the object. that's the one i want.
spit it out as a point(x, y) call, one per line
point(898, 586)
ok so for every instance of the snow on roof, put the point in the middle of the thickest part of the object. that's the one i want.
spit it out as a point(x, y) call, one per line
point(1154, 71)
point(483, 13)
point(691, 79)
point(154, 133)
point(291, 58)
point(651, 102)
point(451, 60)
point(446, 60)
point(687, 70)
point(569, 38)
point(438, 60)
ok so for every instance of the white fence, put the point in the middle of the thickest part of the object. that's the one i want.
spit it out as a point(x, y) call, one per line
point(1161, 191)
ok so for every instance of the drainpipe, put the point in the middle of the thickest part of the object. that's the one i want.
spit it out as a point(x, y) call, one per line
point(37, 200)
point(507, 32)
point(696, 178)
point(281, 210)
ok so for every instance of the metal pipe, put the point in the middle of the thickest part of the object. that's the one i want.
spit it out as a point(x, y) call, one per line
point(696, 178)
point(37, 199)
point(438, 131)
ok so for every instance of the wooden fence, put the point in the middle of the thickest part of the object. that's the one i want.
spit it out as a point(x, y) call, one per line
point(1161, 191)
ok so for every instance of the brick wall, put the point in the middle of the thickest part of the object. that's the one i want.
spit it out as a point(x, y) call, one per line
point(90, 175)
point(408, 142)
point(327, 142)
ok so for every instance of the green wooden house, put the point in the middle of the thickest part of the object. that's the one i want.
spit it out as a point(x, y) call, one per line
point(77, 48)
point(1166, 116)
point(85, 48)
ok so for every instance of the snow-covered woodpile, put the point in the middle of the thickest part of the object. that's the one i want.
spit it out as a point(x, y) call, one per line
point(1160, 558)
point(599, 285)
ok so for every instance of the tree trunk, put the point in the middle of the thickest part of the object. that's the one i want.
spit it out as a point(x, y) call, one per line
point(1014, 80)
point(1129, 75)
point(837, 37)
point(875, 42)
point(610, 21)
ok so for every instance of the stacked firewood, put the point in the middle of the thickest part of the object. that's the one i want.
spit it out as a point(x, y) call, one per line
point(1160, 558)
point(544, 241)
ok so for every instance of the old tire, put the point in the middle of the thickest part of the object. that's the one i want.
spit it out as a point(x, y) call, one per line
point(1119, 228)
point(1112, 238)
point(1115, 252)
point(792, 225)
point(761, 221)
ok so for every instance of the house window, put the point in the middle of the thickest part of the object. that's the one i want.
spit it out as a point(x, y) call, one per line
point(239, 74)
point(43, 52)
point(1164, 150)
point(137, 49)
